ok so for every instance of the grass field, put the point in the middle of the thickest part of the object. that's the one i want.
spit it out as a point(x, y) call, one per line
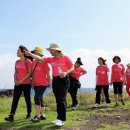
point(83, 116)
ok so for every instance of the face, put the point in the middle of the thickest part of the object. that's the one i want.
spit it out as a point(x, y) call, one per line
point(19, 53)
point(117, 61)
point(77, 65)
point(100, 62)
point(53, 52)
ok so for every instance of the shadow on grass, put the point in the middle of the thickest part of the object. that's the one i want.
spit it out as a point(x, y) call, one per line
point(22, 124)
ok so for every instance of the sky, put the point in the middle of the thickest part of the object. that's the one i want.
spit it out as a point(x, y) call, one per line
point(82, 28)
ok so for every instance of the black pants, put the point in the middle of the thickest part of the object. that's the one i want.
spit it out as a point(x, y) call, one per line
point(26, 89)
point(118, 87)
point(38, 98)
point(73, 90)
point(105, 89)
point(60, 89)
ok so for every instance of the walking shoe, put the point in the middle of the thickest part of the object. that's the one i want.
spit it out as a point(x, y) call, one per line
point(35, 119)
point(42, 117)
point(75, 107)
point(96, 105)
point(54, 121)
point(107, 104)
point(59, 123)
point(28, 116)
point(116, 105)
point(9, 118)
point(122, 101)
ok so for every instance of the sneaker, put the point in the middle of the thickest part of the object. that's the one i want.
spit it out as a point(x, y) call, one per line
point(116, 105)
point(54, 121)
point(9, 118)
point(75, 107)
point(28, 116)
point(107, 104)
point(35, 119)
point(59, 123)
point(96, 105)
point(42, 117)
point(122, 101)
point(103, 100)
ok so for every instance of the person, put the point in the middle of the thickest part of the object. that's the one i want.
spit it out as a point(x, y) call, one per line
point(62, 66)
point(117, 79)
point(127, 79)
point(102, 82)
point(74, 82)
point(41, 80)
point(22, 83)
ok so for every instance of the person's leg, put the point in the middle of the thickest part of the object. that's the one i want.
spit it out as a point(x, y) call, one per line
point(102, 95)
point(16, 97)
point(60, 89)
point(106, 93)
point(73, 93)
point(98, 92)
point(120, 92)
point(128, 89)
point(115, 87)
point(27, 96)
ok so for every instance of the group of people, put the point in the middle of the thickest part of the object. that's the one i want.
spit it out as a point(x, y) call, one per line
point(32, 70)
point(117, 78)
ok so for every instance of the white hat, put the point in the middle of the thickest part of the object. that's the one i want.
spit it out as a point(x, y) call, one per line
point(54, 46)
point(128, 64)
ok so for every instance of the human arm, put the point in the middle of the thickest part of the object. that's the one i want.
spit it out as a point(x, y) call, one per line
point(38, 58)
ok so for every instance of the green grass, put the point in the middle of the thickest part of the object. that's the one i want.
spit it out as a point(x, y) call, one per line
point(75, 118)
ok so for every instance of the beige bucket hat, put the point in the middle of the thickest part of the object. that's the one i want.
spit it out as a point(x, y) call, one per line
point(54, 46)
point(128, 64)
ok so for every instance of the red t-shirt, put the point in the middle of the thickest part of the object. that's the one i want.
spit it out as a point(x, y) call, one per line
point(118, 73)
point(64, 62)
point(102, 75)
point(76, 73)
point(127, 74)
point(39, 73)
point(22, 70)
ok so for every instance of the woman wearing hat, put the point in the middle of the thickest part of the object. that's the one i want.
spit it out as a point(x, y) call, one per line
point(74, 82)
point(127, 79)
point(22, 83)
point(41, 80)
point(117, 79)
point(102, 82)
point(62, 66)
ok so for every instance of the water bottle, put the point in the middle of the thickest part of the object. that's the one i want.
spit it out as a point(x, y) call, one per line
point(59, 70)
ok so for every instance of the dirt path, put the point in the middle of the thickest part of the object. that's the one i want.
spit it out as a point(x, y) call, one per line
point(112, 118)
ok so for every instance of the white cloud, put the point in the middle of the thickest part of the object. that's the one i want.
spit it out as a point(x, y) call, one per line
point(89, 58)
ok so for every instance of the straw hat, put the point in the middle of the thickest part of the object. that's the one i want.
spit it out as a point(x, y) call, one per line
point(128, 64)
point(54, 46)
point(38, 50)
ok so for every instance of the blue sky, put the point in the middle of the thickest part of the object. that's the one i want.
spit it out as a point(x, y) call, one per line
point(73, 24)
point(80, 27)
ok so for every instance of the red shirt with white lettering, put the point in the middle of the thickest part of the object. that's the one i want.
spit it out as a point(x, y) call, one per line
point(64, 62)
point(39, 73)
point(22, 69)
point(76, 73)
point(102, 75)
point(127, 74)
point(118, 73)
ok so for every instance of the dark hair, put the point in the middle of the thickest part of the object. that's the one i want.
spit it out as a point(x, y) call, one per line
point(116, 57)
point(22, 48)
point(79, 61)
point(103, 60)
